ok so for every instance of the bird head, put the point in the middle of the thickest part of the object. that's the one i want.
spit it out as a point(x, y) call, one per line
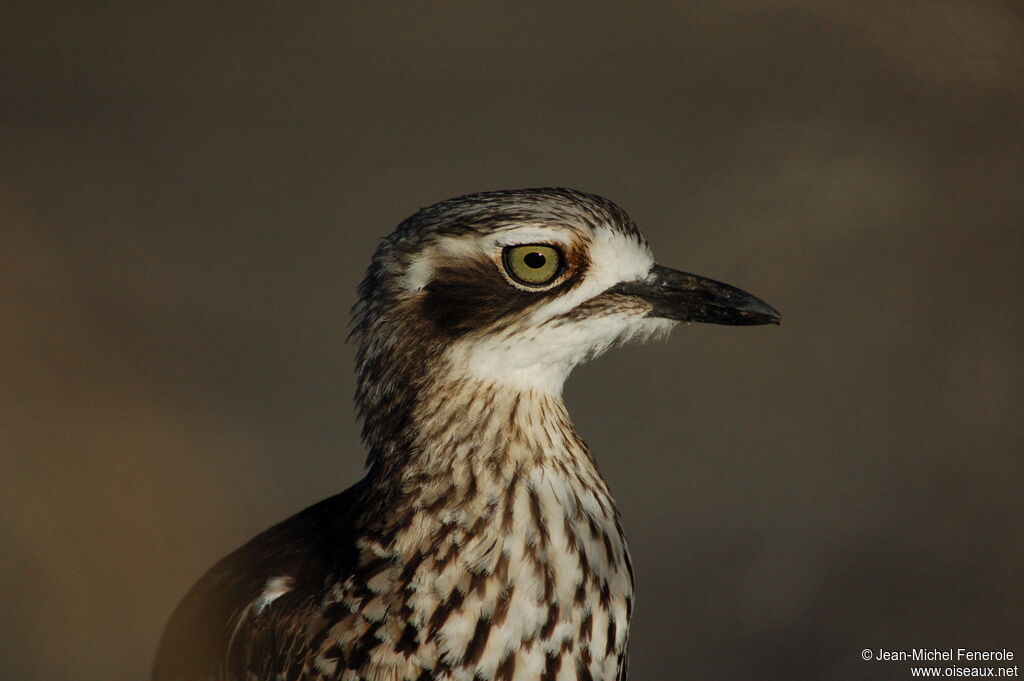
point(517, 287)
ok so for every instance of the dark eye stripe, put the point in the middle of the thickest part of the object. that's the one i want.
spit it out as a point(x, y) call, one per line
point(470, 295)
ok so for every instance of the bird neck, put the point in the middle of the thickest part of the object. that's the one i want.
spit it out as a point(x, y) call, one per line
point(494, 507)
point(474, 433)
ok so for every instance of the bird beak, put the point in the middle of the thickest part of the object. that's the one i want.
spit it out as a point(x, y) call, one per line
point(690, 298)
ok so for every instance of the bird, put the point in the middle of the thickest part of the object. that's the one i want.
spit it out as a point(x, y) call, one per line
point(483, 543)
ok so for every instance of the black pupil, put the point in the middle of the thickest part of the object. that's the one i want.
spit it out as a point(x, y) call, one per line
point(534, 260)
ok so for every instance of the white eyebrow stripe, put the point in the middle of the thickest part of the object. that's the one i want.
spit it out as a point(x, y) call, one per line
point(421, 270)
point(530, 235)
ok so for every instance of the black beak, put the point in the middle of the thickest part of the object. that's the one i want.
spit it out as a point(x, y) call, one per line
point(690, 298)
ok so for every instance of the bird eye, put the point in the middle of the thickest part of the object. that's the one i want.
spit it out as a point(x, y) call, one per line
point(532, 265)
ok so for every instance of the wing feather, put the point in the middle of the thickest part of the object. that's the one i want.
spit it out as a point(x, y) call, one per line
point(256, 614)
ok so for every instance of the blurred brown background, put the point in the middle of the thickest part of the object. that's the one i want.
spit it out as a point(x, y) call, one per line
point(190, 193)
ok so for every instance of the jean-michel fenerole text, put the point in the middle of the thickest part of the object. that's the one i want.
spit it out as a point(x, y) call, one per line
point(951, 654)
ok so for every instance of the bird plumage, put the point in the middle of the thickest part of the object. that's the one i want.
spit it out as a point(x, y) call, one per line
point(483, 542)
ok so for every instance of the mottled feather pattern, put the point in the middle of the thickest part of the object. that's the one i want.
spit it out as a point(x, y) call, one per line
point(508, 565)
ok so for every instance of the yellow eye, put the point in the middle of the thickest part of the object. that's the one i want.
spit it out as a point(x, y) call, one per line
point(532, 265)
